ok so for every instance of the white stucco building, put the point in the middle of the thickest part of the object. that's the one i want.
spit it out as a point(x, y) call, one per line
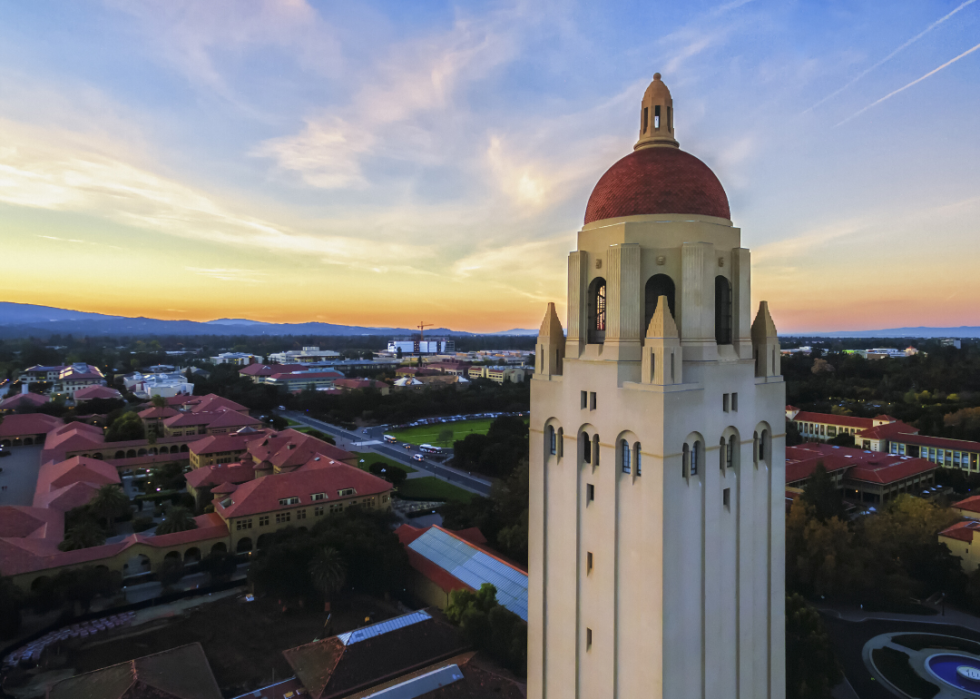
point(166, 385)
point(657, 448)
point(307, 355)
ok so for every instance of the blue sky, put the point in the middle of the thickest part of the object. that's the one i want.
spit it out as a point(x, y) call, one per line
point(381, 163)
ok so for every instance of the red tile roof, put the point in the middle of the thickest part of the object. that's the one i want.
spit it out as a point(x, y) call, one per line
point(887, 431)
point(867, 466)
point(839, 420)
point(657, 181)
point(971, 504)
point(28, 425)
point(302, 375)
point(76, 469)
point(938, 442)
point(263, 494)
point(221, 473)
point(219, 443)
point(962, 530)
point(290, 449)
point(209, 526)
point(23, 400)
point(211, 403)
point(67, 498)
point(97, 392)
point(35, 522)
point(156, 413)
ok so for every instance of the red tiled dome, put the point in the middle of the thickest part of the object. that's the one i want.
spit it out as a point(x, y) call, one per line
point(659, 180)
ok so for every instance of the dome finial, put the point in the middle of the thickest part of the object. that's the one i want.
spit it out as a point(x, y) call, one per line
point(656, 117)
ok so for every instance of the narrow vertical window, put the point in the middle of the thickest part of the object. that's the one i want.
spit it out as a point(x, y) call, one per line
point(672, 367)
point(723, 311)
point(595, 450)
point(592, 401)
point(588, 563)
point(585, 400)
point(646, 118)
point(586, 448)
point(624, 447)
point(553, 441)
point(734, 402)
point(721, 455)
point(636, 448)
point(686, 461)
point(726, 498)
point(561, 443)
point(588, 639)
point(656, 117)
point(724, 402)
point(695, 457)
point(597, 311)
point(732, 446)
point(589, 493)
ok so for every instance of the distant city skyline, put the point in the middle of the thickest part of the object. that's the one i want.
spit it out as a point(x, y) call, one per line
point(371, 163)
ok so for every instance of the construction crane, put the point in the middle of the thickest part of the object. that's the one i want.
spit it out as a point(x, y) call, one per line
point(422, 326)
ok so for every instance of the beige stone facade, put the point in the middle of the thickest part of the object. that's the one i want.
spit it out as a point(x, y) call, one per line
point(657, 468)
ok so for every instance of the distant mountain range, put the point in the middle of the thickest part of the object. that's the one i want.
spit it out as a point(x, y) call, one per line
point(24, 319)
point(963, 331)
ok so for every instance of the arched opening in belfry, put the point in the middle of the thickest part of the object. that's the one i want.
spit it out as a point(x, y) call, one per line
point(597, 311)
point(723, 310)
point(658, 285)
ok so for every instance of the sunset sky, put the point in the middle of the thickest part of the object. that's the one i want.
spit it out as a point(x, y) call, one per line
point(385, 163)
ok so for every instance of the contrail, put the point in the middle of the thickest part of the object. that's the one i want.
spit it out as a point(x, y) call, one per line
point(892, 54)
point(914, 82)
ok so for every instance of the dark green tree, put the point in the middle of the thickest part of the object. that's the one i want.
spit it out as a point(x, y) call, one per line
point(812, 670)
point(822, 494)
point(127, 427)
point(328, 572)
point(11, 602)
point(110, 502)
point(178, 519)
point(170, 572)
point(83, 535)
point(219, 565)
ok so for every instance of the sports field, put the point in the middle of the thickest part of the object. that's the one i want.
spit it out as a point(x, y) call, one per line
point(429, 434)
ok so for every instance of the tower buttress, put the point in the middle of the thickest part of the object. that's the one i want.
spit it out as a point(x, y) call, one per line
point(550, 350)
point(663, 363)
point(765, 344)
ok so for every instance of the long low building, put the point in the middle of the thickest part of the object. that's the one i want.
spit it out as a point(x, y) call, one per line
point(864, 476)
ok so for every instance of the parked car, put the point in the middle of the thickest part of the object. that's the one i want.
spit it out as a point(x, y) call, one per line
point(418, 457)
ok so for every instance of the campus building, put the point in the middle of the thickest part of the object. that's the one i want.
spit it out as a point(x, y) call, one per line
point(76, 377)
point(307, 355)
point(657, 448)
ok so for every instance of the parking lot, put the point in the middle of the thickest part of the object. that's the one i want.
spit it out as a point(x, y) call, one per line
point(19, 475)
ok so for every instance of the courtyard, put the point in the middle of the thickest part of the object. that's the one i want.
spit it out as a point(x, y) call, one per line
point(19, 475)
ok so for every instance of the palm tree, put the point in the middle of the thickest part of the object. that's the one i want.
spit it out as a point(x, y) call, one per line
point(83, 535)
point(328, 571)
point(179, 519)
point(109, 503)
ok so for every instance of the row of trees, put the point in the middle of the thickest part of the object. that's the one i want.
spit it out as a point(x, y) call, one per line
point(495, 453)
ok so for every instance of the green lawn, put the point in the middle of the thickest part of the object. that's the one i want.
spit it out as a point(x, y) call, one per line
point(371, 457)
point(429, 434)
point(432, 488)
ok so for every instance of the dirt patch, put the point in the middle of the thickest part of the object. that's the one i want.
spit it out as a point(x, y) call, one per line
point(242, 640)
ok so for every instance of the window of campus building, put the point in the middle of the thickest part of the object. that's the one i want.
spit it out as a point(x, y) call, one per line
point(264, 520)
point(300, 514)
point(636, 459)
point(552, 441)
point(343, 492)
point(318, 511)
point(338, 507)
point(624, 448)
point(318, 496)
point(282, 517)
point(288, 501)
point(243, 524)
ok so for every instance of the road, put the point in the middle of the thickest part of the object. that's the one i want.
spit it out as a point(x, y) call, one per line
point(347, 439)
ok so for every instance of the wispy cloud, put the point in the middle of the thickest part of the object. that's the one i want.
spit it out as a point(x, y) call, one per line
point(892, 55)
point(906, 87)
point(230, 274)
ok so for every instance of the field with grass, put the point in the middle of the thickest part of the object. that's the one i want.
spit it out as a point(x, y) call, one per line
point(429, 434)
point(432, 488)
point(366, 458)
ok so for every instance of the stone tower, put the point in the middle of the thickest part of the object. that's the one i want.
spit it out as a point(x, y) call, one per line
point(657, 448)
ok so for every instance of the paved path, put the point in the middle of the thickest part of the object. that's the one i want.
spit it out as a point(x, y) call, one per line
point(952, 617)
point(347, 439)
point(20, 475)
